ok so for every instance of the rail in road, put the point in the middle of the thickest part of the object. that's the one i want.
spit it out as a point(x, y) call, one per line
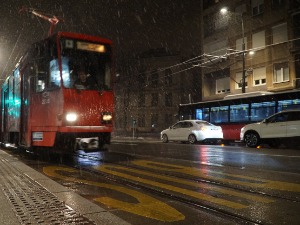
point(235, 196)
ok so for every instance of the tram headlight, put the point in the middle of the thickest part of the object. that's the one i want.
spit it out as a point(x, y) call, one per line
point(106, 117)
point(71, 117)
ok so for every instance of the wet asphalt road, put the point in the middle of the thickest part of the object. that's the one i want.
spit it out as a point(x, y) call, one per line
point(153, 183)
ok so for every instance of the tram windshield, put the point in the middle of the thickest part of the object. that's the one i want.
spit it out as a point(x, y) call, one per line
point(92, 59)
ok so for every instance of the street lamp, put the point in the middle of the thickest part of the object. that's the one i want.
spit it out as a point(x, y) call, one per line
point(224, 11)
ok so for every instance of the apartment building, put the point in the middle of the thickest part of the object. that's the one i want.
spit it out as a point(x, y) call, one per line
point(253, 46)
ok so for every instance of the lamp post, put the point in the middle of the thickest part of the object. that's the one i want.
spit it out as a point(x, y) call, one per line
point(225, 11)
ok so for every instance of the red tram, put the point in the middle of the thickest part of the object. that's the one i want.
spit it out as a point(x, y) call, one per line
point(41, 106)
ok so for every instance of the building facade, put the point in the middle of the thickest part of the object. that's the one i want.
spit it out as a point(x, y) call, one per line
point(270, 31)
point(148, 95)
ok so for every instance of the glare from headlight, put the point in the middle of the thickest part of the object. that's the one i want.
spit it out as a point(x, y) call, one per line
point(107, 117)
point(71, 117)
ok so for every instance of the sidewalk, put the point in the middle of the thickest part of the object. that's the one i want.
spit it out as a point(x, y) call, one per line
point(29, 197)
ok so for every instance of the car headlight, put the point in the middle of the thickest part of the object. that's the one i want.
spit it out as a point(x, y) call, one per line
point(71, 117)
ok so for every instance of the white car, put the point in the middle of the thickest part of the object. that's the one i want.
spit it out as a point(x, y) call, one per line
point(282, 127)
point(192, 131)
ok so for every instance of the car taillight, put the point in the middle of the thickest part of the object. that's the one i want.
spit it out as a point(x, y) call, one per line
point(203, 128)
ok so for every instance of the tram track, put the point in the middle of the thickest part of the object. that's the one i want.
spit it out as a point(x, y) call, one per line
point(238, 219)
point(197, 180)
point(198, 204)
point(194, 203)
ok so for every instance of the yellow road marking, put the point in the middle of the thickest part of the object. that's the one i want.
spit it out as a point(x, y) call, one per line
point(211, 175)
point(197, 195)
point(251, 197)
point(146, 206)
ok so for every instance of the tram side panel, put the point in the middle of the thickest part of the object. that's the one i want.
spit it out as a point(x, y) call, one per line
point(10, 106)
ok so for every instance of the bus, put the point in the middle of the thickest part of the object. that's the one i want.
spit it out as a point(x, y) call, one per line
point(42, 109)
point(235, 111)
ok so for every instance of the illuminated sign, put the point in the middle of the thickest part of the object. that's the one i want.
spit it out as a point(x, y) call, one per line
point(90, 46)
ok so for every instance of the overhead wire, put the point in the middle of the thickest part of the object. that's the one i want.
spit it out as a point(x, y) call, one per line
point(200, 58)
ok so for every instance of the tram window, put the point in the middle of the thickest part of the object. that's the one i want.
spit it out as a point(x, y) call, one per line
point(40, 82)
point(219, 114)
point(288, 104)
point(239, 113)
point(54, 72)
point(262, 110)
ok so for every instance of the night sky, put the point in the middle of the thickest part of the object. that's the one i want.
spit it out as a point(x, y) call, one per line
point(133, 25)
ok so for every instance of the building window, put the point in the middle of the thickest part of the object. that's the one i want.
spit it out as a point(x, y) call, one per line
point(154, 78)
point(259, 39)
point(141, 101)
point(223, 85)
point(281, 72)
point(239, 80)
point(168, 99)
point(259, 76)
point(168, 77)
point(154, 99)
point(279, 33)
point(257, 7)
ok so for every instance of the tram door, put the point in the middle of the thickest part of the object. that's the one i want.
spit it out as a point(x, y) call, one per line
point(25, 103)
point(5, 102)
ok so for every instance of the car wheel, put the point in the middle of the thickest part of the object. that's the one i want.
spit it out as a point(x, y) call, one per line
point(192, 139)
point(251, 139)
point(165, 138)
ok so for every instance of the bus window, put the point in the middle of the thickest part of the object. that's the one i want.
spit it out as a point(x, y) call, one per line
point(262, 110)
point(206, 114)
point(288, 104)
point(239, 113)
point(199, 114)
point(219, 114)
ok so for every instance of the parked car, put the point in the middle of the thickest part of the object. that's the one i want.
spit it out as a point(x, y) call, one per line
point(282, 127)
point(192, 131)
